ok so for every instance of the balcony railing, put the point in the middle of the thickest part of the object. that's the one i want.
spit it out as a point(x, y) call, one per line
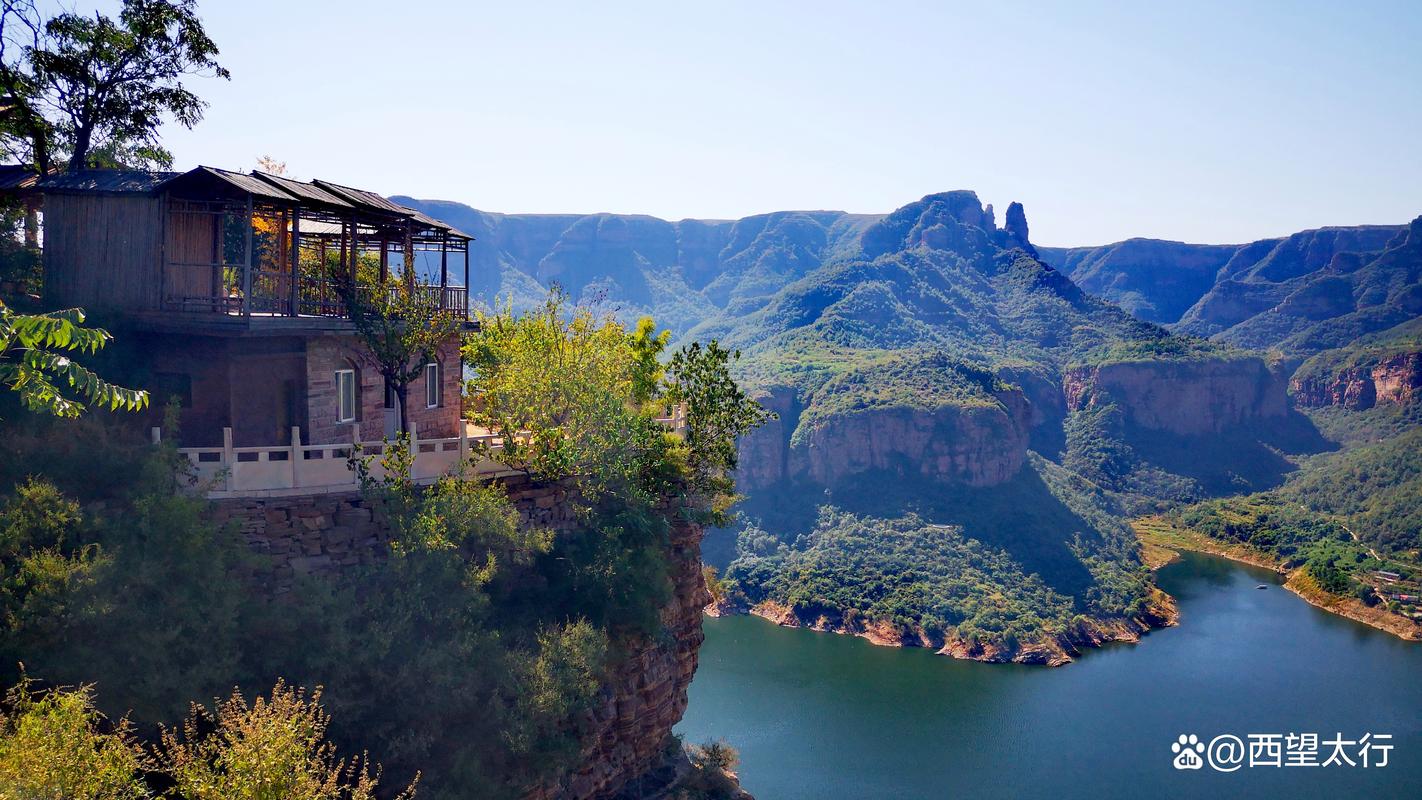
point(271, 294)
point(229, 471)
point(297, 469)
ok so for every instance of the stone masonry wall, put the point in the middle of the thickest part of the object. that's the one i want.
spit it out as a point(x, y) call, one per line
point(645, 694)
point(312, 534)
point(326, 354)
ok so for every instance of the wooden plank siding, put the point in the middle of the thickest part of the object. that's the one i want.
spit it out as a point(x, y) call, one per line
point(192, 275)
point(103, 251)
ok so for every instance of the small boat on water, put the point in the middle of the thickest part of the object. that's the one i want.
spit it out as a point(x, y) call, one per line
point(1262, 586)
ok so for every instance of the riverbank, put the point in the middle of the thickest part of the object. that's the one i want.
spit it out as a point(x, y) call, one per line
point(1049, 649)
point(1160, 536)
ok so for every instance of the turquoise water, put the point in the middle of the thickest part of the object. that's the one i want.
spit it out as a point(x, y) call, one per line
point(818, 716)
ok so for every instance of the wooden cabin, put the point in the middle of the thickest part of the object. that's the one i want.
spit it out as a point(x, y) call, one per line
point(221, 290)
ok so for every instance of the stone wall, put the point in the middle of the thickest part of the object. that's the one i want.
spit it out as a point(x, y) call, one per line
point(645, 694)
point(312, 534)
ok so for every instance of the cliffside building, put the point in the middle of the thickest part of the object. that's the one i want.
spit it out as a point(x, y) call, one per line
point(220, 288)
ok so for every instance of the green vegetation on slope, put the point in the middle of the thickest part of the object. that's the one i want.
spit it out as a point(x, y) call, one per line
point(923, 380)
point(1342, 518)
point(1000, 566)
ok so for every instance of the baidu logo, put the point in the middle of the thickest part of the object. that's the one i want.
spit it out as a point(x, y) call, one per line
point(1187, 750)
point(1228, 753)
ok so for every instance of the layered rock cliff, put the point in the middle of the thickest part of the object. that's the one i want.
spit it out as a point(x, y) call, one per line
point(1394, 380)
point(1193, 397)
point(969, 444)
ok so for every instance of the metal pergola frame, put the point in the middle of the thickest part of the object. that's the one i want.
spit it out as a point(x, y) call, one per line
point(308, 218)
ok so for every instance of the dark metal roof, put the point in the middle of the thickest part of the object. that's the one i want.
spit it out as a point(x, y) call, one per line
point(105, 180)
point(439, 225)
point(17, 176)
point(368, 200)
point(259, 184)
point(247, 183)
point(308, 192)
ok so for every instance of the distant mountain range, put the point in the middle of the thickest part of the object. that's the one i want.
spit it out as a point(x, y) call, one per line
point(1313, 290)
point(932, 368)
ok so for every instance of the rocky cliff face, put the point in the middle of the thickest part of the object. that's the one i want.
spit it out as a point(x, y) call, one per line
point(973, 445)
point(645, 696)
point(976, 445)
point(1182, 397)
point(1395, 380)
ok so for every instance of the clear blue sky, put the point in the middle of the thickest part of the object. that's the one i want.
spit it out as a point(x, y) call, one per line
point(1201, 121)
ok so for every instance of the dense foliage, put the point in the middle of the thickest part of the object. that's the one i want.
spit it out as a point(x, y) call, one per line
point(920, 380)
point(1377, 488)
point(569, 393)
point(1343, 515)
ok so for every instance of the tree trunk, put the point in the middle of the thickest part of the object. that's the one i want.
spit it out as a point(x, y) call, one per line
point(80, 157)
point(402, 390)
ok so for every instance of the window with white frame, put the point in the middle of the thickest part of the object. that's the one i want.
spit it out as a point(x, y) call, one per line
point(432, 387)
point(345, 395)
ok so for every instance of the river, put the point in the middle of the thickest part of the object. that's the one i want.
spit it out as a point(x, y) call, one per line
point(818, 716)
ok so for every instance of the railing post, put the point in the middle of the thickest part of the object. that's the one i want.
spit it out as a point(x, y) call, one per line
point(247, 265)
point(296, 456)
point(229, 459)
point(294, 309)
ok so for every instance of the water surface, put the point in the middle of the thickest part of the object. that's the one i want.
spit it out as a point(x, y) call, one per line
point(819, 716)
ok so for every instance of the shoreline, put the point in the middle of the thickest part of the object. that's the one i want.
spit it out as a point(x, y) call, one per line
point(1051, 650)
point(1157, 534)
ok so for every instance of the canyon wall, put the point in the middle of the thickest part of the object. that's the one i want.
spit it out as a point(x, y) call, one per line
point(1394, 380)
point(972, 444)
point(645, 693)
point(1183, 397)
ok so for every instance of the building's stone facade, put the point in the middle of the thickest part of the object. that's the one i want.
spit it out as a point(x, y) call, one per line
point(327, 354)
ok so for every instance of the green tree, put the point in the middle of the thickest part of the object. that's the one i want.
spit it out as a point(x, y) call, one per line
point(402, 328)
point(42, 566)
point(647, 371)
point(94, 90)
point(718, 410)
point(561, 388)
point(33, 363)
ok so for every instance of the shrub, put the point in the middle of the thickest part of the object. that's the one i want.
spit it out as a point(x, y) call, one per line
point(57, 745)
